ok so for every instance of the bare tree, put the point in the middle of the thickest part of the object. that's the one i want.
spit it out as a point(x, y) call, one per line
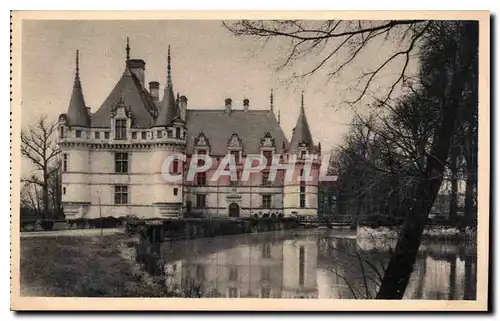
point(326, 40)
point(39, 146)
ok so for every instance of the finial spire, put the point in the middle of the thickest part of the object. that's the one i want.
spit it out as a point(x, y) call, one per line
point(128, 51)
point(169, 69)
point(77, 69)
point(271, 98)
point(302, 101)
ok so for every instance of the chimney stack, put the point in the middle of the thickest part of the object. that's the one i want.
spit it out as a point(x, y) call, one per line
point(154, 90)
point(246, 104)
point(183, 101)
point(137, 67)
point(228, 102)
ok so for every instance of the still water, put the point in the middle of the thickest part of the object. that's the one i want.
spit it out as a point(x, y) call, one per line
point(309, 264)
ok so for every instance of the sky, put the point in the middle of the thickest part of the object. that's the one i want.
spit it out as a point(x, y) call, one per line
point(209, 64)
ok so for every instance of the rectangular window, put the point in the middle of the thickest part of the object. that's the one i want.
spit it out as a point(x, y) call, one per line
point(158, 134)
point(268, 154)
point(64, 191)
point(177, 132)
point(302, 200)
point(265, 179)
point(121, 194)
point(176, 191)
point(97, 135)
point(201, 179)
point(78, 133)
point(65, 162)
point(144, 135)
point(303, 154)
point(302, 195)
point(201, 200)
point(61, 132)
point(266, 201)
point(233, 274)
point(120, 129)
point(121, 163)
point(169, 134)
point(236, 155)
point(301, 264)
point(134, 135)
point(106, 135)
point(175, 166)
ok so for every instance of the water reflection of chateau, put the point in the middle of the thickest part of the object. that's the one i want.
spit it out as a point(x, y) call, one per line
point(311, 266)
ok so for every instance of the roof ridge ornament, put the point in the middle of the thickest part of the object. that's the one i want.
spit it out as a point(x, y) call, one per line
point(169, 69)
point(302, 101)
point(127, 49)
point(77, 69)
point(271, 99)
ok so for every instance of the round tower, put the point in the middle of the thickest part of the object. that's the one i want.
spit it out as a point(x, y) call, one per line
point(300, 194)
point(169, 136)
point(73, 132)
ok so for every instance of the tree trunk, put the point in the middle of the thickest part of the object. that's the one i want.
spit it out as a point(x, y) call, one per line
point(45, 191)
point(454, 183)
point(470, 214)
point(400, 267)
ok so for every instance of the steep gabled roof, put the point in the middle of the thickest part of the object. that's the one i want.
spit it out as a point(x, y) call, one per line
point(130, 90)
point(218, 126)
point(301, 132)
point(77, 114)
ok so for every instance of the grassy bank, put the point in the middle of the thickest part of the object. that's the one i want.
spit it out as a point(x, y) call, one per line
point(85, 266)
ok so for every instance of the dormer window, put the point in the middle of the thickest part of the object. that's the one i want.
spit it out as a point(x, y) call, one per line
point(236, 155)
point(268, 154)
point(302, 154)
point(97, 135)
point(158, 134)
point(120, 129)
point(144, 135)
point(106, 135)
point(177, 132)
point(134, 135)
point(78, 133)
point(61, 132)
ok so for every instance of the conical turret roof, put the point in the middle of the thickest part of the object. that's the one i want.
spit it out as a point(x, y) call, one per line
point(301, 132)
point(77, 114)
point(169, 109)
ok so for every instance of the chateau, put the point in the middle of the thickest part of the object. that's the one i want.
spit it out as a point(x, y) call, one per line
point(112, 159)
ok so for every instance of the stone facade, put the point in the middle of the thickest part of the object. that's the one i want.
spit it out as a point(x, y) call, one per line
point(113, 159)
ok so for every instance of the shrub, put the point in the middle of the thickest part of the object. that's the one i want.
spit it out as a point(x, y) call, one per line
point(47, 225)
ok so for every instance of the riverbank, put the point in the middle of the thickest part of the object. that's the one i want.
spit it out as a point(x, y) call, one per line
point(81, 266)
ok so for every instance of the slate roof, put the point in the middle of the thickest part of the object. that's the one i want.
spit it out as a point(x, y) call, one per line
point(168, 108)
point(218, 126)
point(128, 88)
point(301, 133)
point(77, 114)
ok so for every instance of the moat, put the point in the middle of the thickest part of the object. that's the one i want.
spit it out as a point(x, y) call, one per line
point(312, 263)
